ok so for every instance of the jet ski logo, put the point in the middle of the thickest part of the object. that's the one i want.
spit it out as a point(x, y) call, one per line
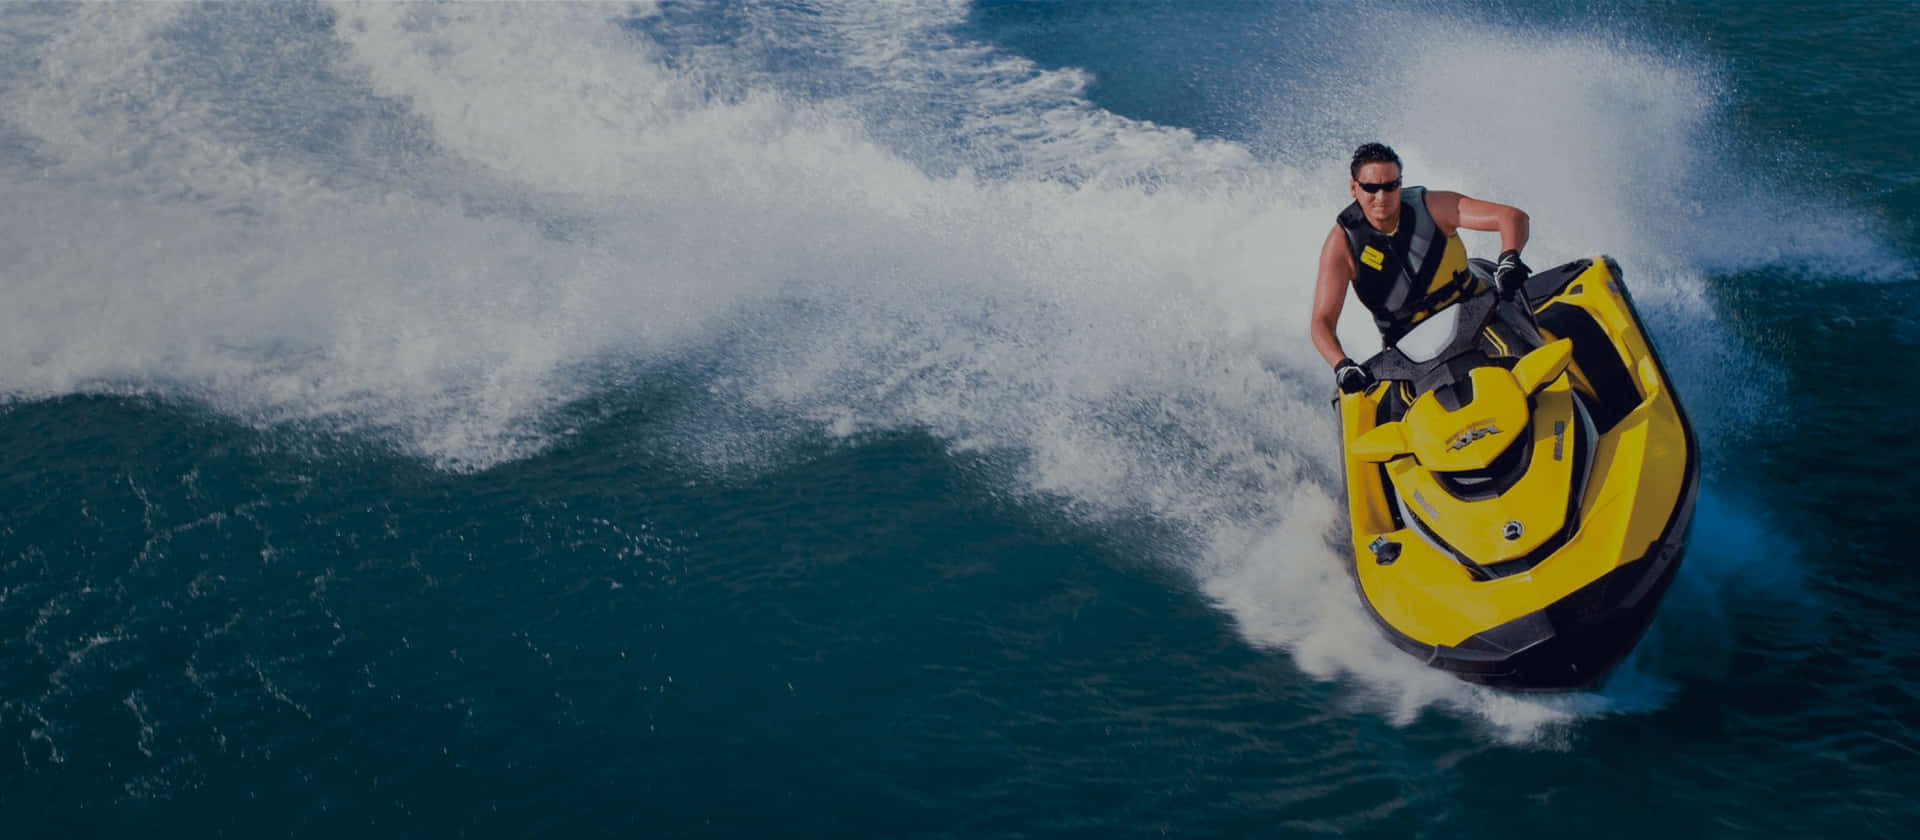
point(1460, 441)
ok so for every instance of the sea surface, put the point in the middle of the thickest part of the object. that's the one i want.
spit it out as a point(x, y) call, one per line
point(896, 418)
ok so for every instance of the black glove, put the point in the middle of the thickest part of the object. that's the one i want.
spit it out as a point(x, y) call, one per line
point(1510, 275)
point(1351, 377)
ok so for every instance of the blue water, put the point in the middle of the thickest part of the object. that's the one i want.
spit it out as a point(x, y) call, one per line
point(845, 418)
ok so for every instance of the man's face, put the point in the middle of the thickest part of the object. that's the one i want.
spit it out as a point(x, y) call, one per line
point(1381, 207)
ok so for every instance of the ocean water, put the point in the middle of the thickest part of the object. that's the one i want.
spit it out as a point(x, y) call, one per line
point(855, 418)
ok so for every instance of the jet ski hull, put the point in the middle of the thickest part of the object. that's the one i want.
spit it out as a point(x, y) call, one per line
point(1570, 645)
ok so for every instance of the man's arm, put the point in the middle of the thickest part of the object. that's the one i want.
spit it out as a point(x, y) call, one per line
point(1452, 211)
point(1330, 295)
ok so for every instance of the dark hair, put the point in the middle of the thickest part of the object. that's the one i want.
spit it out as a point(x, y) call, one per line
point(1373, 153)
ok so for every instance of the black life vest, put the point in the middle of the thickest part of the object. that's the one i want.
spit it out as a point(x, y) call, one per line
point(1403, 277)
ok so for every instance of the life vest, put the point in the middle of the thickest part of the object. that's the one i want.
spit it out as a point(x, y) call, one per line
point(1405, 276)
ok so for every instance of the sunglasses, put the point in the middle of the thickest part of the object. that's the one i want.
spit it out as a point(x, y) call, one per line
point(1389, 186)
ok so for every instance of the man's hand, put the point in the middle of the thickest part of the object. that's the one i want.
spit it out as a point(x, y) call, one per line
point(1351, 377)
point(1509, 275)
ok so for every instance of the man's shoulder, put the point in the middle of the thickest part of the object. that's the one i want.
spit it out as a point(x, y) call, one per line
point(1432, 195)
point(1428, 194)
point(1444, 207)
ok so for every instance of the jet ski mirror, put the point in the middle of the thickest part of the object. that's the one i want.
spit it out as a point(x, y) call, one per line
point(1385, 443)
point(1542, 366)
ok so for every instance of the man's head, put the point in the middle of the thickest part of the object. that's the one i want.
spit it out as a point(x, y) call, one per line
point(1376, 185)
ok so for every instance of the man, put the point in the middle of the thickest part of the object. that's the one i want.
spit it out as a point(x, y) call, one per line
point(1400, 250)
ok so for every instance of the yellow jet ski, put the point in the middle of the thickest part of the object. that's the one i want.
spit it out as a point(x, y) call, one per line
point(1520, 482)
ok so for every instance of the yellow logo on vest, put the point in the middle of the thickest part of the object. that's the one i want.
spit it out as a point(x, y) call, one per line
point(1373, 258)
